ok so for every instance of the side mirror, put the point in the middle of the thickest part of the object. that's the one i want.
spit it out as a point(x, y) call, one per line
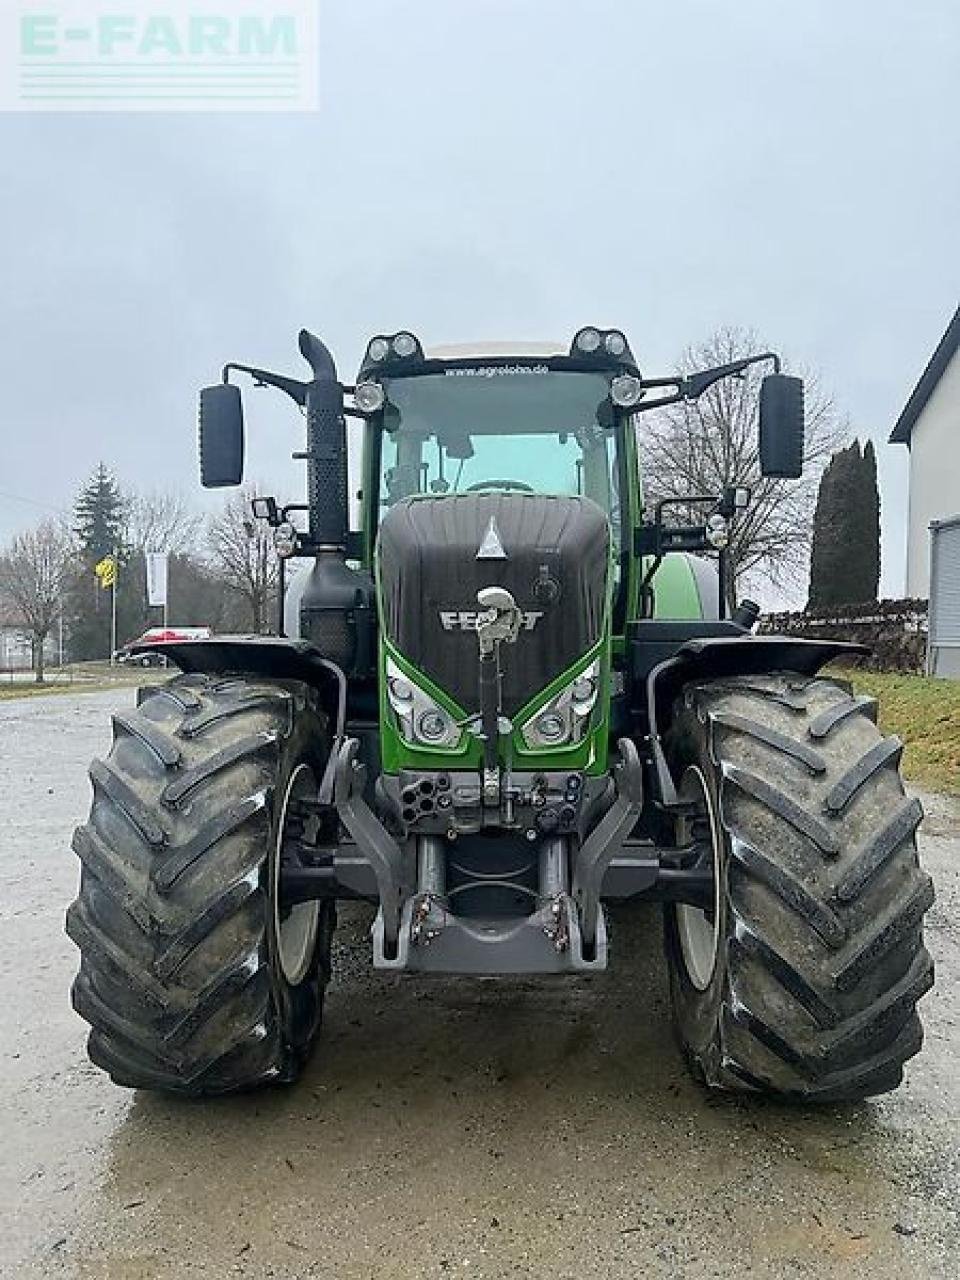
point(781, 426)
point(221, 436)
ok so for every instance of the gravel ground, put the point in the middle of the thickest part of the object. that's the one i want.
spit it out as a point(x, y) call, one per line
point(481, 1129)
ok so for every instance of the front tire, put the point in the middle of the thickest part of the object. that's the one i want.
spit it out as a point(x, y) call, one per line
point(817, 964)
point(187, 976)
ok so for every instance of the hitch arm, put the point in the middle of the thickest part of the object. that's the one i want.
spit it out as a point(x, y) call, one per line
point(372, 839)
point(606, 840)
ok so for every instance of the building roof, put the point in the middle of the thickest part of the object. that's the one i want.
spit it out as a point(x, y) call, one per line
point(946, 350)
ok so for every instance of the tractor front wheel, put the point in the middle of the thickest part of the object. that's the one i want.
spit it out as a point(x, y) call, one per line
point(801, 979)
point(194, 976)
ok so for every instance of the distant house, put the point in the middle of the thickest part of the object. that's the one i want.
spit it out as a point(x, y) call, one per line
point(930, 427)
point(16, 650)
point(16, 643)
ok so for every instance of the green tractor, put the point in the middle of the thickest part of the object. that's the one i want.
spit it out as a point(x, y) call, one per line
point(502, 693)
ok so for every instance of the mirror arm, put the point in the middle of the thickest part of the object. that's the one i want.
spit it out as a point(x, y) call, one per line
point(264, 378)
point(697, 383)
point(644, 405)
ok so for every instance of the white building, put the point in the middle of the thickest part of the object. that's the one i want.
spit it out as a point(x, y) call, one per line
point(16, 651)
point(16, 644)
point(930, 427)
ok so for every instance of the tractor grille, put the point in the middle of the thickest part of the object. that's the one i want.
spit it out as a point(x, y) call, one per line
point(555, 561)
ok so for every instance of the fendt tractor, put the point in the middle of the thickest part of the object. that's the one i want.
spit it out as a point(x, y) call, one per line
point(502, 693)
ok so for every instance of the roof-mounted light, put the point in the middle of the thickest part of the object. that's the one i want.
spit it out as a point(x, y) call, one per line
point(603, 346)
point(389, 353)
point(588, 341)
point(405, 345)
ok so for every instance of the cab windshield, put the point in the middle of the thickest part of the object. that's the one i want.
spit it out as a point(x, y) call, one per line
point(495, 427)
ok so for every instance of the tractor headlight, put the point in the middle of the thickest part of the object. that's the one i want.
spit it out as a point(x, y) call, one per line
point(378, 350)
point(563, 720)
point(421, 720)
point(588, 341)
point(550, 728)
point(432, 725)
point(615, 343)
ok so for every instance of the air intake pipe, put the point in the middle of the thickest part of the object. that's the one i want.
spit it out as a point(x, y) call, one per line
point(336, 609)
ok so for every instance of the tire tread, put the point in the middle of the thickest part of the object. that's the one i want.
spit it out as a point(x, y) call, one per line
point(171, 919)
point(825, 961)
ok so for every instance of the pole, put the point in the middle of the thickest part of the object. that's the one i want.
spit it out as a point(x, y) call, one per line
point(61, 633)
point(113, 611)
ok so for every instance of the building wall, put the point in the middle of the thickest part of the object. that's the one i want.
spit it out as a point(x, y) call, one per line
point(16, 651)
point(934, 474)
point(943, 655)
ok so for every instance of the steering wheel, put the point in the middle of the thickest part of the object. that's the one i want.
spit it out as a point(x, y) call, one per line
point(500, 484)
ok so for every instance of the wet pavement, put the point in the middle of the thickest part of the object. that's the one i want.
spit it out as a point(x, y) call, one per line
point(477, 1129)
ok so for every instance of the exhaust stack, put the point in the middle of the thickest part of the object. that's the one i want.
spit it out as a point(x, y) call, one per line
point(326, 448)
point(336, 608)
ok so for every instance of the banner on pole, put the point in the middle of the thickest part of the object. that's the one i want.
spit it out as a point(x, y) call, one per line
point(106, 571)
point(156, 577)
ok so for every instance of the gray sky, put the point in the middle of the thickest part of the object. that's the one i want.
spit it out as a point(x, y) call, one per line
point(488, 168)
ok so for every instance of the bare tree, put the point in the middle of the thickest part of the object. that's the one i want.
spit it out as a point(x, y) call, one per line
point(161, 521)
point(241, 549)
point(33, 574)
point(704, 446)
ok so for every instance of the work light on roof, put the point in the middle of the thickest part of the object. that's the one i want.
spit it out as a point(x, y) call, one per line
point(588, 341)
point(405, 345)
point(615, 343)
point(378, 349)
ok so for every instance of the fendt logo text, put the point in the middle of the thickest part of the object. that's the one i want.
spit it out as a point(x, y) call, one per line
point(173, 55)
point(466, 619)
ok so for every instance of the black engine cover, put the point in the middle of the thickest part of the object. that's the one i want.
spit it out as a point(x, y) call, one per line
point(551, 553)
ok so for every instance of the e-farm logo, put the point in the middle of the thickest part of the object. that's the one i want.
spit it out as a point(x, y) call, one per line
point(158, 55)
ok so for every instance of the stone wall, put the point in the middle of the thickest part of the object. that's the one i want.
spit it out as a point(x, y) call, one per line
point(895, 631)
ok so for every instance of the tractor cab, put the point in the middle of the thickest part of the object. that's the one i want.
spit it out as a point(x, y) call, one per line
point(504, 469)
point(496, 471)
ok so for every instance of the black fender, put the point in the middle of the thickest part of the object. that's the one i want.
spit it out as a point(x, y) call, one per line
point(269, 657)
point(717, 657)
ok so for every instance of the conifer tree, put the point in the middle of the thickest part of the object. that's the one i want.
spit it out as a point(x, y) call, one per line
point(99, 529)
point(99, 516)
point(845, 555)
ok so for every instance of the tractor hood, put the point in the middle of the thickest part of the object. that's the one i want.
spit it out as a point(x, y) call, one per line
point(436, 553)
